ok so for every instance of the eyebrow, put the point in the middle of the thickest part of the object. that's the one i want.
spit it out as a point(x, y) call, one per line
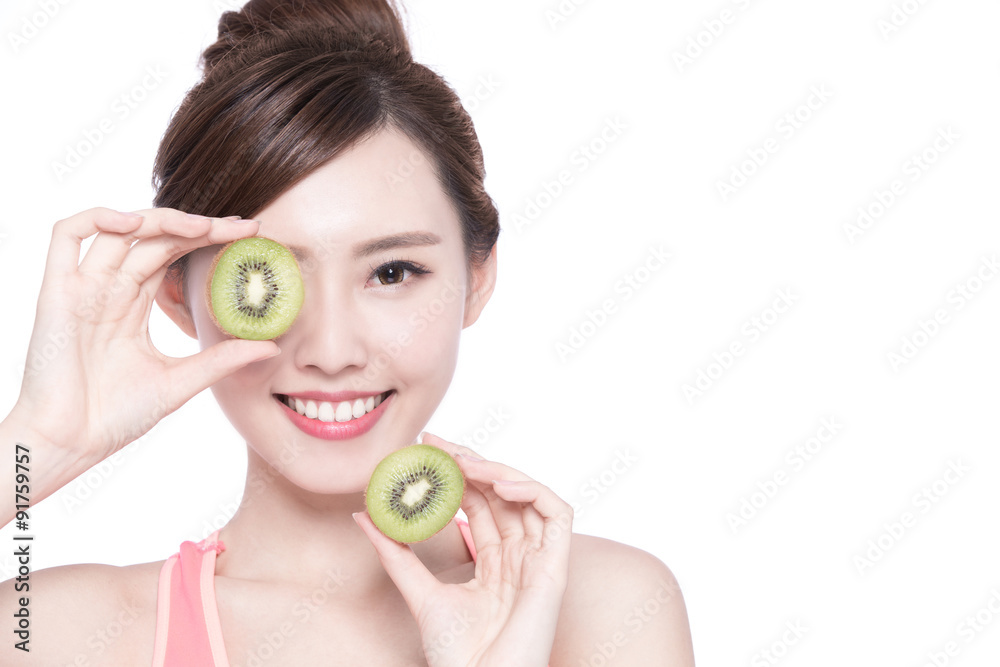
point(395, 241)
point(378, 245)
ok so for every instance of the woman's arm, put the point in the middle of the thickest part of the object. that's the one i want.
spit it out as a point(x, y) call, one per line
point(94, 382)
point(32, 468)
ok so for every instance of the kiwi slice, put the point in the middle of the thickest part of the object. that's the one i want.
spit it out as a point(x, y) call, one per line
point(414, 492)
point(255, 289)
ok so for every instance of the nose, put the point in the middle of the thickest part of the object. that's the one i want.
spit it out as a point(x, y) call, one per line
point(328, 334)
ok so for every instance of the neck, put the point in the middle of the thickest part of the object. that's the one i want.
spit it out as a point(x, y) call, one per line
point(283, 534)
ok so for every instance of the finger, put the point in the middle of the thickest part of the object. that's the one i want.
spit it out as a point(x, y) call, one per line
point(556, 513)
point(507, 517)
point(450, 447)
point(191, 375)
point(510, 520)
point(149, 289)
point(150, 255)
point(492, 470)
point(108, 250)
point(484, 471)
point(414, 581)
point(534, 524)
point(67, 235)
point(481, 522)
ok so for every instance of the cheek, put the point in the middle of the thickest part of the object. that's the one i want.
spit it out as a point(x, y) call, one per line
point(208, 333)
point(420, 339)
point(231, 391)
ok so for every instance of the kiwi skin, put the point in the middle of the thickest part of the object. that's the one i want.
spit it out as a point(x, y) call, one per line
point(291, 273)
point(404, 461)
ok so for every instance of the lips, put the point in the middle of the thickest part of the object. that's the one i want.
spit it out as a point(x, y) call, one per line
point(323, 416)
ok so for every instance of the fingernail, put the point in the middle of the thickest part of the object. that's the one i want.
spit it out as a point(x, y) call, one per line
point(504, 482)
point(420, 438)
point(470, 457)
point(198, 217)
point(232, 217)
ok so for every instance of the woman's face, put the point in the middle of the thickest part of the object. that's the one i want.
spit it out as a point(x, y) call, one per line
point(387, 292)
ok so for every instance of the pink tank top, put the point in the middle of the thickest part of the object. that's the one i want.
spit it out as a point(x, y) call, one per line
point(188, 631)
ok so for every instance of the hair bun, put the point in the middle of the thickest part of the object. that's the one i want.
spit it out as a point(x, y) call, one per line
point(258, 18)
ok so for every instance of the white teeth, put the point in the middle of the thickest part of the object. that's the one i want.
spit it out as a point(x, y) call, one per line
point(330, 412)
point(344, 411)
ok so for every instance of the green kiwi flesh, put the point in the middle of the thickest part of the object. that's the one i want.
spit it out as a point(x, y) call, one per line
point(414, 492)
point(255, 289)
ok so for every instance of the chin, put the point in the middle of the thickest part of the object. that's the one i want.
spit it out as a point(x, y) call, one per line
point(318, 467)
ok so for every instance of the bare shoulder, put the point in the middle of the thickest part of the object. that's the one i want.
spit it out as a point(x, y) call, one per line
point(86, 614)
point(621, 602)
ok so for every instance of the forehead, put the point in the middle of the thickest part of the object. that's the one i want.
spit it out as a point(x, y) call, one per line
point(382, 186)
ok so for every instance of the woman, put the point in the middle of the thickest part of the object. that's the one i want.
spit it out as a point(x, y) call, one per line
point(305, 114)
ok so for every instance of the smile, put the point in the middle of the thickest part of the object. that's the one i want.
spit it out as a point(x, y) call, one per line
point(326, 411)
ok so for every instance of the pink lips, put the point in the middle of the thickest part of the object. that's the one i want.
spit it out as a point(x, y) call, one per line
point(335, 430)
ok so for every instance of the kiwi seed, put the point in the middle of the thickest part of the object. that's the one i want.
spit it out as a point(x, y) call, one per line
point(255, 289)
point(414, 492)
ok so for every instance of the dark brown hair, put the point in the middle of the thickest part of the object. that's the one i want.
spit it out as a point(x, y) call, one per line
point(291, 84)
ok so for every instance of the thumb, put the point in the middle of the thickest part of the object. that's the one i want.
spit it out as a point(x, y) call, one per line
point(414, 581)
point(193, 374)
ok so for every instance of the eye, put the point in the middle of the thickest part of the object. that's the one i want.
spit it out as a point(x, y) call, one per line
point(396, 271)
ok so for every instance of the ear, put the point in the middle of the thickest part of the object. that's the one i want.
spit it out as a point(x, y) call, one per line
point(170, 299)
point(482, 279)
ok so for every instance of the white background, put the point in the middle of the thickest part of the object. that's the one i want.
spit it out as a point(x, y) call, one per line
point(684, 127)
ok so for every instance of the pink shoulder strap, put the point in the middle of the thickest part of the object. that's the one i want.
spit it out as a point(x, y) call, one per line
point(188, 633)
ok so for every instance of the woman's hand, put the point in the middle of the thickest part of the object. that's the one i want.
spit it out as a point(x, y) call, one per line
point(93, 380)
point(509, 611)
